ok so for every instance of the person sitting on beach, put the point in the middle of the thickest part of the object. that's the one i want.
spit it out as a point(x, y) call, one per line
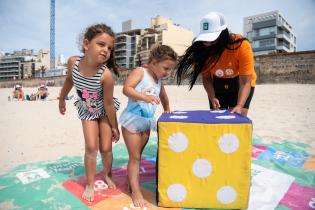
point(42, 92)
point(226, 63)
point(145, 91)
point(18, 93)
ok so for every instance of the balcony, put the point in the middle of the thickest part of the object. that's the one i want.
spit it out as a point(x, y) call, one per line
point(120, 56)
point(120, 49)
point(283, 47)
point(284, 25)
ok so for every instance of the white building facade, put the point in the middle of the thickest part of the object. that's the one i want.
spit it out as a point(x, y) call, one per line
point(269, 33)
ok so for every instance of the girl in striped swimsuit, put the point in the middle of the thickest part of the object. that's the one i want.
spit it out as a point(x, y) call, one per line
point(94, 85)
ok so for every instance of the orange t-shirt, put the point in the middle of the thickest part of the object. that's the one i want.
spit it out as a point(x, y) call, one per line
point(233, 63)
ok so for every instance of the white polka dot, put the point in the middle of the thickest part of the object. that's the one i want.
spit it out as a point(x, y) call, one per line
point(225, 117)
point(202, 168)
point(179, 112)
point(178, 117)
point(178, 142)
point(218, 111)
point(226, 195)
point(229, 143)
point(176, 192)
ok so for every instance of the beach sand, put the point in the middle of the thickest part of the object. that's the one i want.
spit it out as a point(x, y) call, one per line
point(33, 131)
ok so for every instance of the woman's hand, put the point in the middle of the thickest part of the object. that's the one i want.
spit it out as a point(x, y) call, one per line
point(215, 103)
point(237, 109)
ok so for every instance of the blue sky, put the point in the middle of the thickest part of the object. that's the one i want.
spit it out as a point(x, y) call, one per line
point(25, 23)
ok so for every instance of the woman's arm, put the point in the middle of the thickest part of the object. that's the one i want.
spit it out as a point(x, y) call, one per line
point(245, 86)
point(208, 85)
point(246, 70)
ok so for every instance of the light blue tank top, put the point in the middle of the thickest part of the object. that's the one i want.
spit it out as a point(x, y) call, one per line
point(146, 86)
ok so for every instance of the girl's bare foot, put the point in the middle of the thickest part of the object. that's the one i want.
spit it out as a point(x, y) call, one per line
point(138, 200)
point(109, 182)
point(88, 193)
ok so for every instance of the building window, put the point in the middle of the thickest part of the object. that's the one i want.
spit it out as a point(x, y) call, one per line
point(249, 35)
point(255, 44)
point(265, 31)
point(264, 43)
point(267, 43)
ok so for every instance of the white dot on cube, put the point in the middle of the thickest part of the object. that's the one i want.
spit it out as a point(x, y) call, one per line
point(226, 195)
point(229, 143)
point(225, 117)
point(176, 192)
point(178, 117)
point(178, 142)
point(218, 111)
point(202, 168)
point(179, 112)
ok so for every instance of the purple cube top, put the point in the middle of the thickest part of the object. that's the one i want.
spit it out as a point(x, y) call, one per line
point(205, 116)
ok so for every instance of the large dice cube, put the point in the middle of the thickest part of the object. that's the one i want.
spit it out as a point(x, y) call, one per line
point(204, 159)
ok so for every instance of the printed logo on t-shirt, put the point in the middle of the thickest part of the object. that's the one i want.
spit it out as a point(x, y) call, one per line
point(229, 72)
point(219, 73)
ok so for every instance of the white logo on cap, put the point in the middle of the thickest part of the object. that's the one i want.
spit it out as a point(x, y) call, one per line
point(205, 26)
point(219, 73)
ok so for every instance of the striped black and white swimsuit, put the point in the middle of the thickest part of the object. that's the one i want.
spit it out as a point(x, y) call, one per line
point(89, 102)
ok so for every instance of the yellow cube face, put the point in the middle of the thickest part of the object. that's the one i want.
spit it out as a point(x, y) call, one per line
point(204, 165)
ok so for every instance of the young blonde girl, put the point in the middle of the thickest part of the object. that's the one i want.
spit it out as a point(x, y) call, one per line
point(94, 85)
point(145, 91)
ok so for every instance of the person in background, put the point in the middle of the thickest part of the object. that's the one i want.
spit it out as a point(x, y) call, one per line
point(42, 92)
point(18, 93)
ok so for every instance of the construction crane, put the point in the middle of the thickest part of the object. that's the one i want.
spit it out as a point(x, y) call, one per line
point(52, 34)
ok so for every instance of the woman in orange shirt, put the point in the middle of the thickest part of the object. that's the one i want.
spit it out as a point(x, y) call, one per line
point(226, 63)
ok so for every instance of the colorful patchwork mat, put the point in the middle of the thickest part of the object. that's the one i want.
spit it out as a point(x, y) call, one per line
point(283, 177)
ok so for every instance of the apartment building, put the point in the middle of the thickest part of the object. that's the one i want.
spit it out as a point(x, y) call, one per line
point(126, 48)
point(269, 33)
point(133, 45)
point(23, 64)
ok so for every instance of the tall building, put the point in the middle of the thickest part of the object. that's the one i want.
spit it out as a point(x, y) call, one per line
point(269, 33)
point(126, 48)
point(132, 46)
point(16, 66)
point(163, 31)
point(23, 64)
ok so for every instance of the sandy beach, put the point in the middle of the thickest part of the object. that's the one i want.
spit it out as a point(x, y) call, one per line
point(33, 131)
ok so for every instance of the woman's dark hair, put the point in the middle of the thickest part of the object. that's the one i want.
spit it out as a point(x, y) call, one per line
point(198, 55)
point(91, 32)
